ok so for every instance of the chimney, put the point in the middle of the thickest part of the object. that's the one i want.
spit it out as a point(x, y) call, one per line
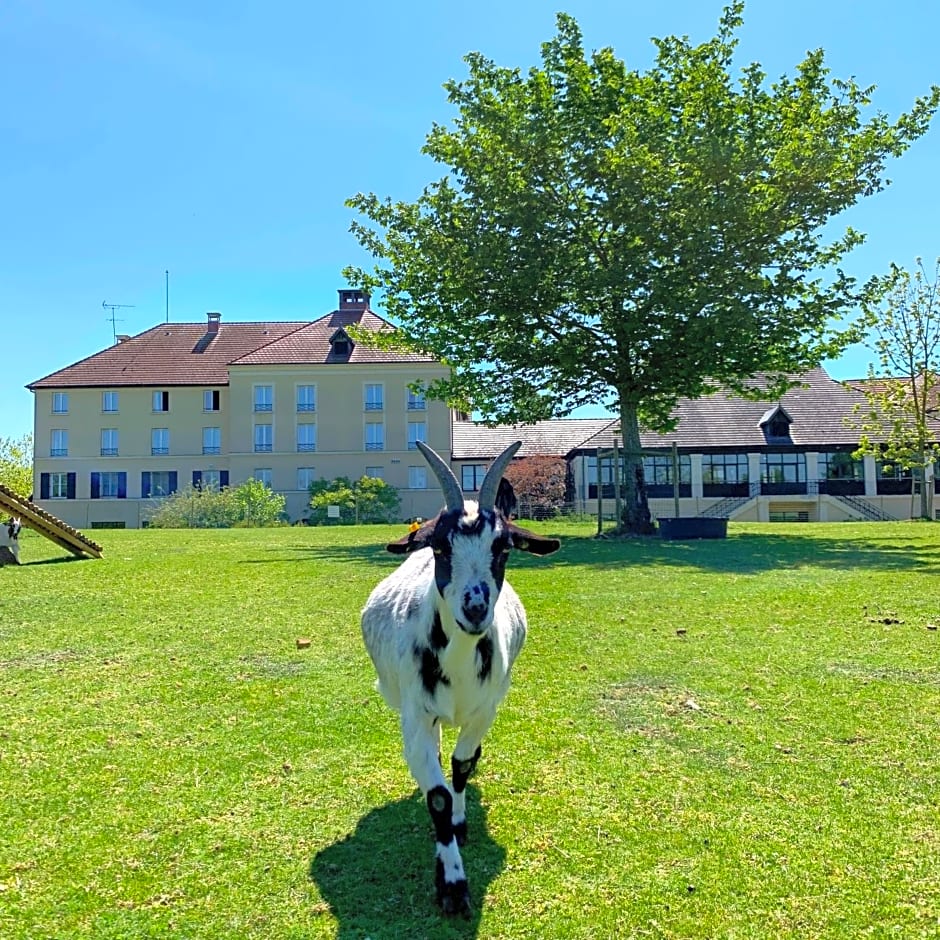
point(213, 317)
point(122, 337)
point(353, 300)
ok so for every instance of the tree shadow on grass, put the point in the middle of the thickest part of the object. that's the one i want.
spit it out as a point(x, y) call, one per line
point(739, 553)
point(379, 879)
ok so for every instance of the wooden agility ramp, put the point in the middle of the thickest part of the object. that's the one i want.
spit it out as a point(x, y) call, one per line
point(47, 525)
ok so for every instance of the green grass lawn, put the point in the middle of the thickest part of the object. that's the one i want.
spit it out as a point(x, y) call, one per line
point(726, 739)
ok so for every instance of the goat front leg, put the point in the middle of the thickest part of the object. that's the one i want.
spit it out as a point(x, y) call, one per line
point(422, 736)
point(463, 763)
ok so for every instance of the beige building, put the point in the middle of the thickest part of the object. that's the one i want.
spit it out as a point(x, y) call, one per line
point(220, 403)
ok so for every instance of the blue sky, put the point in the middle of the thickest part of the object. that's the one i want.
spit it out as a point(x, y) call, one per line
point(219, 141)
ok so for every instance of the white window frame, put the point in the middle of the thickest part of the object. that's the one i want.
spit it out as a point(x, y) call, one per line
point(415, 401)
point(59, 442)
point(60, 403)
point(159, 442)
point(307, 430)
point(266, 444)
point(306, 391)
point(374, 439)
point(212, 440)
point(305, 476)
point(373, 396)
point(417, 478)
point(110, 402)
point(263, 398)
point(58, 484)
point(264, 475)
point(109, 442)
point(417, 431)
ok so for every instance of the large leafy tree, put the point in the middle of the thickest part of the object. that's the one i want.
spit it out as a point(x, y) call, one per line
point(610, 235)
point(16, 464)
point(900, 423)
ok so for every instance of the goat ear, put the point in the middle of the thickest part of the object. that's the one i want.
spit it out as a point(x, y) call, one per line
point(532, 542)
point(419, 538)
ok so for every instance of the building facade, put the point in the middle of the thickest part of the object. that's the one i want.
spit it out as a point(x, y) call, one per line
point(220, 403)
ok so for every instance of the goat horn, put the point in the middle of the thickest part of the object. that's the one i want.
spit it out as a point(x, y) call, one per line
point(490, 484)
point(453, 496)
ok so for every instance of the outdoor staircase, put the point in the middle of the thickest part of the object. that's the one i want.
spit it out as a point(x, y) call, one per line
point(727, 507)
point(865, 509)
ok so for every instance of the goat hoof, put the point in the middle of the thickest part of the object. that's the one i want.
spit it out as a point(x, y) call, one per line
point(454, 899)
point(460, 833)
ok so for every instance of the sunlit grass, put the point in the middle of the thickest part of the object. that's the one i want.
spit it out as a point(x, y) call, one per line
point(712, 739)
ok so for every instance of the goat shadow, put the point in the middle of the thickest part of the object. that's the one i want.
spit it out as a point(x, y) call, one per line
point(379, 880)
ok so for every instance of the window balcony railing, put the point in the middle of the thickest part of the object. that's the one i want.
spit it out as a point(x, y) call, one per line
point(264, 448)
point(59, 452)
point(416, 406)
point(375, 446)
point(373, 406)
point(211, 450)
point(159, 451)
point(306, 448)
point(109, 452)
point(263, 406)
point(306, 406)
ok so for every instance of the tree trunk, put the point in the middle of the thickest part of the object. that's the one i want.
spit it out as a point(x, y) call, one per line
point(635, 517)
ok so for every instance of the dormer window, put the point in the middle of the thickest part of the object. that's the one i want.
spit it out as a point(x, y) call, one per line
point(775, 424)
point(341, 343)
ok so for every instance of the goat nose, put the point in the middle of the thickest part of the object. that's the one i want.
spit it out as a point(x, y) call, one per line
point(476, 604)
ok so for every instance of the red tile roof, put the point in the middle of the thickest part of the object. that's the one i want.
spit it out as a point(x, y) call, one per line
point(188, 354)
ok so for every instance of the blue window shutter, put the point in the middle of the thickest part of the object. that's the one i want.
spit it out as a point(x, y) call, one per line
point(122, 485)
point(223, 479)
point(44, 485)
point(145, 484)
point(197, 479)
point(96, 486)
point(70, 485)
point(174, 481)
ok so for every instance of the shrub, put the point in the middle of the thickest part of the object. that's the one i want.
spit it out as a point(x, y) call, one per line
point(540, 484)
point(369, 499)
point(251, 504)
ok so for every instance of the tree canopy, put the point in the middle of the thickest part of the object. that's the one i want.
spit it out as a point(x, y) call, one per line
point(16, 464)
point(609, 235)
point(901, 423)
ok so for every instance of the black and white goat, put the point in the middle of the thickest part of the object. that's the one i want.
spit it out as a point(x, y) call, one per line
point(10, 539)
point(443, 632)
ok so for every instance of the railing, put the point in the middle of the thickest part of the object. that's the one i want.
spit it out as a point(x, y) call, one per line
point(865, 509)
point(724, 508)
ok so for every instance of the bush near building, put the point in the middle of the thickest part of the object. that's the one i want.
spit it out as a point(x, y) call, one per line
point(540, 484)
point(250, 504)
point(368, 499)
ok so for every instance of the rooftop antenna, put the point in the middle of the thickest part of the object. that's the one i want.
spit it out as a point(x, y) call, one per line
point(167, 273)
point(114, 320)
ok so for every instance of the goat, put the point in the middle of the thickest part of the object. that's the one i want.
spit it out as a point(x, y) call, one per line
point(10, 540)
point(443, 632)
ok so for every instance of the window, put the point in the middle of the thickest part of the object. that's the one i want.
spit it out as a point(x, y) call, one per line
point(210, 479)
point(210, 400)
point(60, 403)
point(417, 431)
point(306, 438)
point(415, 401)
point(724, 468)
point(783, 468)
point(264, 438)
point(417, 478)
point(471, 476)
point(607, 470)
point(892, 470)
point(108, 485)
point(109, 402)
point(264, 475)
point(264, 398)
point(161, 401)
point(305, 476)
point(306, 398)
point(657, 470)
point(377, 473)
point(373, 398)
point(159, 441)
point(212, 440)
point(109, 442)
point(839, 465)
point(375, 436)
point(59, 486)
point(59, 443)
point(155, 484)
